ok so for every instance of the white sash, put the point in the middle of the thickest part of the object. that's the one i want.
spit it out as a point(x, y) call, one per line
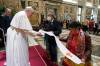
point(63, 49)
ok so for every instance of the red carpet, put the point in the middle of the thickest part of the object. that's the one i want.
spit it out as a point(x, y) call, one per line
point(38, 57)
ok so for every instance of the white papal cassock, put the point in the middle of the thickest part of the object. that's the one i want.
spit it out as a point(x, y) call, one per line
point(17, 45)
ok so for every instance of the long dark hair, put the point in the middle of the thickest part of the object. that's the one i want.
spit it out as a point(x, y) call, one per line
point(75, 24)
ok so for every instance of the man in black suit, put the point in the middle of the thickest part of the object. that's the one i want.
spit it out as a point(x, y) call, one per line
point(51, 24)
point(7, 17)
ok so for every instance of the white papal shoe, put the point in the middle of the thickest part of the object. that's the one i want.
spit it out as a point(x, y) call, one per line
point(5, 63)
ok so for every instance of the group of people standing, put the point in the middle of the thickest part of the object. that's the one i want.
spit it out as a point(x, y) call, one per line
point(91, 26)
point(78, 42)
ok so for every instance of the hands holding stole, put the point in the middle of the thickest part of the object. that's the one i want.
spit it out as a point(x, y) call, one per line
point(25, 32)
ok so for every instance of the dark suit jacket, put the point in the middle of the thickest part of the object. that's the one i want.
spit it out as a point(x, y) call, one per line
point(7, 21)
point(52, 26)
point(1, 22)
point(51, 45)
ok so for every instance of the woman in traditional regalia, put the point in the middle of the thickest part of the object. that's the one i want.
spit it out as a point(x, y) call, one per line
point(76, 44)
point(79, 43)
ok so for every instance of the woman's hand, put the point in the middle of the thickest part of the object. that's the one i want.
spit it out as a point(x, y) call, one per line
point(39, 34)
point(83, 60)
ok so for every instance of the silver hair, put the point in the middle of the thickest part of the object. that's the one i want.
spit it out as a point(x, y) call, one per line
point(8, 9)
point(29, 8)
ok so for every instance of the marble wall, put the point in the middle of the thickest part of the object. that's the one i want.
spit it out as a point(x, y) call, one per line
point(13, 4)
point(42, 7)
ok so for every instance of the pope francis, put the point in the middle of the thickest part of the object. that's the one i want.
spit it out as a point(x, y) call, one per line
point(17, 42)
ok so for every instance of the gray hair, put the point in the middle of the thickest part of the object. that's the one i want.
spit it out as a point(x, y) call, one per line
point(8, 9)
point(29, 8)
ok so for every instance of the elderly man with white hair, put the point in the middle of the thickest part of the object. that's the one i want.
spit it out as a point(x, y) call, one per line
point(17, 43)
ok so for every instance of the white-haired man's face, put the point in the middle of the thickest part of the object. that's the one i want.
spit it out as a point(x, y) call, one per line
point(29, 13)
point(8, 12)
